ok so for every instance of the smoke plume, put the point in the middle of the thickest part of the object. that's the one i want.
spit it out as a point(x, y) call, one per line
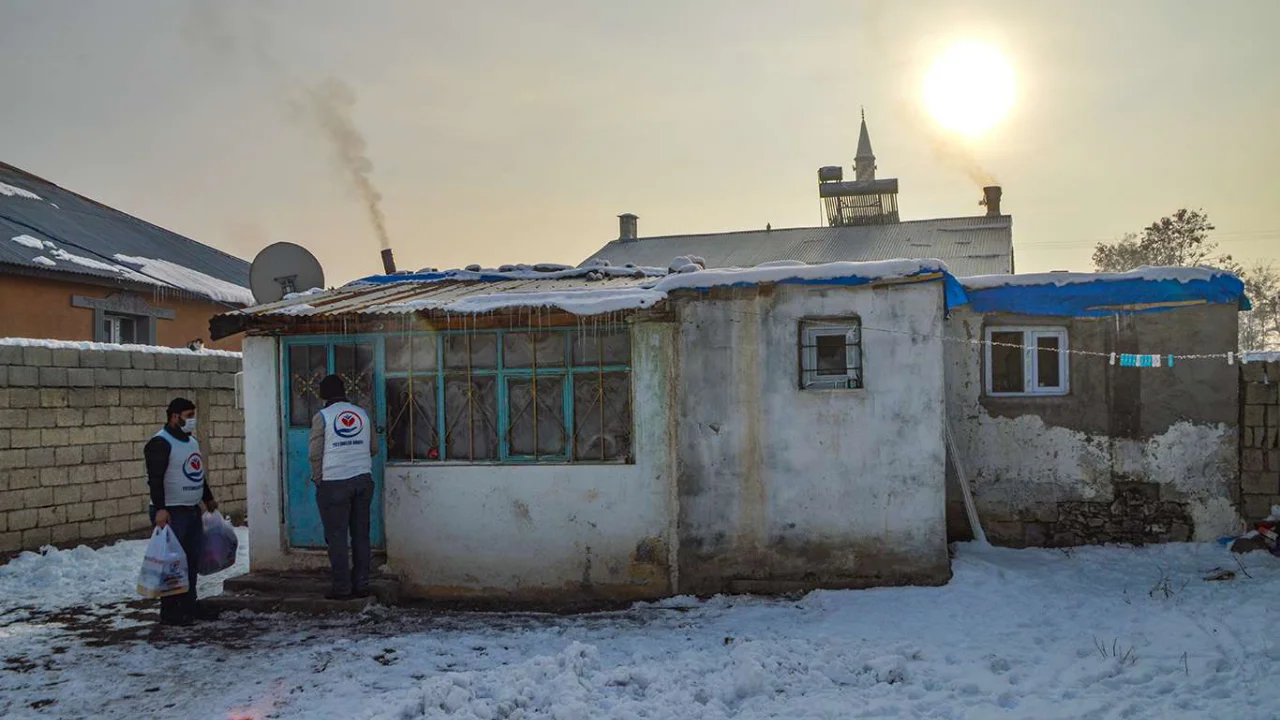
point(329, 104)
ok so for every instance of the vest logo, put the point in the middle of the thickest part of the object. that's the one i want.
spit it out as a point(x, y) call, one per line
point(193, 468)
point(348, 424)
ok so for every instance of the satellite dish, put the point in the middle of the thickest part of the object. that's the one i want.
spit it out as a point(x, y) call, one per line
point(281, 269)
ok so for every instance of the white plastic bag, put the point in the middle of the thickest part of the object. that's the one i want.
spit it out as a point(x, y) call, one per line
point(164, 567)
point(220, 544)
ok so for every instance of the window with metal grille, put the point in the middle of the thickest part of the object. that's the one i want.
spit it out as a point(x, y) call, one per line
point(831, 354)
point(1026, 361)
point(559, 395)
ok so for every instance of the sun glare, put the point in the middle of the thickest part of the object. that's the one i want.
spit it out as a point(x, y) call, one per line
point(969, 88)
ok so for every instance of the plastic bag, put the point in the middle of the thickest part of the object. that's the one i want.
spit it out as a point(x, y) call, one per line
point(220, 544)
point(164, 567)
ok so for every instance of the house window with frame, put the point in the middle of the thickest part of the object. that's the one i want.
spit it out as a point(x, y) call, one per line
point(527, 395)
point(1026, 361)
point(119, 329)
point(831, 354)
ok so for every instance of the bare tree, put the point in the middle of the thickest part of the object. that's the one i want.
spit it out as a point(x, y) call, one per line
point(1182, 240)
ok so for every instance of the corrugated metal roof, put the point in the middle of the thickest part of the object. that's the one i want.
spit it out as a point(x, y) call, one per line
point(95, 233)
point(970, 246)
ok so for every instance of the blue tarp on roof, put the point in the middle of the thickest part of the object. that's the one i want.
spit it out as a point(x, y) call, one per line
point(1107, 295)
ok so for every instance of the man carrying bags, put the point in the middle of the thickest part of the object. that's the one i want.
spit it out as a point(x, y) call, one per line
point(176, 478)
point(341, 452)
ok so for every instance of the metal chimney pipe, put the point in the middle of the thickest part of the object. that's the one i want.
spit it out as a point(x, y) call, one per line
point(388, 262)
point(991, 198)
point(627, 226)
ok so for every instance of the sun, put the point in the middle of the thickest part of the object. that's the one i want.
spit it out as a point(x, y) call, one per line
point(969, 88)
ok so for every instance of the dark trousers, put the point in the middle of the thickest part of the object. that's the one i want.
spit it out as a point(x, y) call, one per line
point(185, 522)
point(344, 510)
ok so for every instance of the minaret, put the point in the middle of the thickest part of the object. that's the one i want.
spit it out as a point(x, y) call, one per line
point(864, 166)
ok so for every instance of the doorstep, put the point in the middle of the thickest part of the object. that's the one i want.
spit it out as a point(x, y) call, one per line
point(296, 592)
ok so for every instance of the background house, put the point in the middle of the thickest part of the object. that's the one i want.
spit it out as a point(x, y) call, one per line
point(74, 269)
point(863, 224)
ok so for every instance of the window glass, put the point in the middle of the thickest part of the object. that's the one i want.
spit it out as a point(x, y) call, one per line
point(533, 349)
point(602, 347)
point(832, 358)
point(471, 417)
point(1007, 373)
point(411, 419)
point(602, 416)
point(536, 413)
point(353, 362)
point(1048, 368)
point(477, 351)
point(411, 352)
point(308, 364)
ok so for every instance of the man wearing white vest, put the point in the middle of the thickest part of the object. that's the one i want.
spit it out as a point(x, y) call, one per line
point(176, 478)
point(341, 453)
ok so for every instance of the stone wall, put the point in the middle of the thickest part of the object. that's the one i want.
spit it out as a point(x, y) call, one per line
point(72, 426)
point(1259, 439)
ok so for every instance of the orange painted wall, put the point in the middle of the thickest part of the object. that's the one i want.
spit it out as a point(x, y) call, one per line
point(33, 307)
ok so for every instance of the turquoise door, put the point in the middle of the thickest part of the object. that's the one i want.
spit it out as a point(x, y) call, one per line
point(306, 362)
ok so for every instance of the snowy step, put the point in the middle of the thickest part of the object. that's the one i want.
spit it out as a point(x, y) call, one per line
point(296, 592)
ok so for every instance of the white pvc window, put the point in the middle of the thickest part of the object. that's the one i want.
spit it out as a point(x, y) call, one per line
point(831, 354)
point(1027, 361)
point(119, 329)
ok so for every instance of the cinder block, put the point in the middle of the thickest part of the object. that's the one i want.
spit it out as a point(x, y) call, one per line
point(23, 519)
point(126, 451)
point(23, 478)
point(93, 529)
point(132, 397)
point(106, 376)
point(1256, 507)
point(36, 538)
point(51, 377)
point(54, 476)
point(54, 436)
point(1253, 461)
point(166, 361)
point(108, 434)
point(37, 497)
point(104, 509)
point(135, 433)
point(119, 489)
point(72, 455)
point(120, 415)
point(1260, 394)
point(4, 376)
point(70, 417)
point(37, 356)
point(208, 364)
point(82, 397)
point(96, 453)
point(93, 359)
point(95, 416)
point(133, 379)
point(24, 438)
point(92, 492)
point(13, 418)
point(178, 379)
point(1253, 372)
point(155, 378)
point(53, 398)
point(143, 361)
point(41, 457)
point(188, 363)
point(66, 495)
point(1255, 414)
point(80, 377)
point(1273, 414)
point(24, 397)
point(118, 359)
point(10, 355)
point(6, 443)
point(65, 357)
point(24, 376)
point(52, 516)
point(65, 534)
point(10, 541)
point(107, 472)
point(79, 512)
point(118, 525)
point(81, 474)
point(199, 380)
point(13, 459)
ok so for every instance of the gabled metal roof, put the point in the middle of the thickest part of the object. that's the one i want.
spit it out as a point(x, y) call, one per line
point(981, 245)
point(92, 235)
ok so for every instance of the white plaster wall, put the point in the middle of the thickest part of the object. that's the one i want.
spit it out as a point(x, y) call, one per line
point(547, 531)
point(829, 487)
point(267, 547)
point(1020, 467)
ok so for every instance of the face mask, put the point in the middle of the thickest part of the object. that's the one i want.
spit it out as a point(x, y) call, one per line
point(189, 426)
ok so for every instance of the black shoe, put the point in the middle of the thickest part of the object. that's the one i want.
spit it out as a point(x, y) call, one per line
point(337, 596)
point(206, 613)
point(362, 593)
point(179, 621)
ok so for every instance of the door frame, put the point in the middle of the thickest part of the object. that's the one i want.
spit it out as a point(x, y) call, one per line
point(377, 415)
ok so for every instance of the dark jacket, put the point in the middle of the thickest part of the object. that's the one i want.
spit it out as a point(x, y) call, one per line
point(156, 453)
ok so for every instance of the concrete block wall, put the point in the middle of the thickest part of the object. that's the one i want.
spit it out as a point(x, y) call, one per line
point(73, 423)
point(1259, 439)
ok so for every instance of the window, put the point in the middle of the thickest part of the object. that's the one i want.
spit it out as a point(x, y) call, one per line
point(1026, 361)
point(509, 396)
point(831, 354)
point(119, 329)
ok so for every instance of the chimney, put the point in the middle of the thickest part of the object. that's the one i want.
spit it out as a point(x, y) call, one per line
point(627, 226)
point(388, 262)
point(991, 198)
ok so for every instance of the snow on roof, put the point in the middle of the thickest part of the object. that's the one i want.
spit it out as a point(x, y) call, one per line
point(42, 260)
point(1261, 356)
point(70, 345)
point(187, 279)
point(1148, 289)
point(14, 191)
point(28, 241)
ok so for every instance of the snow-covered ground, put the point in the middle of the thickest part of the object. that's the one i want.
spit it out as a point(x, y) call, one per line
point(1091, 633)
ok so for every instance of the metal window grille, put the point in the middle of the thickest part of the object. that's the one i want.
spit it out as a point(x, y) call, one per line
point(831, 354)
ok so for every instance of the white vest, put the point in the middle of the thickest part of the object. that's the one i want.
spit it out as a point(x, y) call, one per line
point(184, 477)
point(347, 434)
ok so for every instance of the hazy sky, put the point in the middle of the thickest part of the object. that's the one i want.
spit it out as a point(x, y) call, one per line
point(517, 131)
